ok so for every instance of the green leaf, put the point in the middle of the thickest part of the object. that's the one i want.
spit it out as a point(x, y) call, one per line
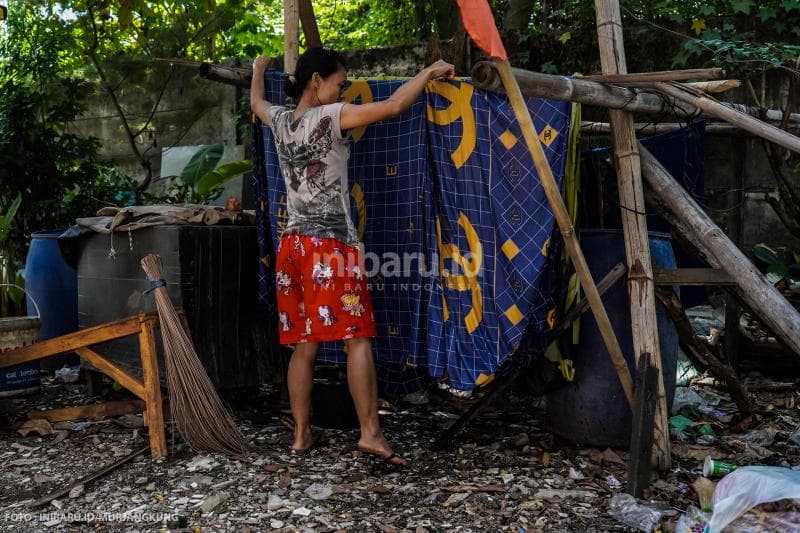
point(790, 5)
point(766, 254)
point(707, 9)
point(218, 177)
point(778, 270)
point(741, 6)
point(202, 162)
point(767, 13)
point(7, 220)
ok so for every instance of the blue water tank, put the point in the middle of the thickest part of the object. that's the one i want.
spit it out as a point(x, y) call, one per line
point(593, 410)
point(54, 286)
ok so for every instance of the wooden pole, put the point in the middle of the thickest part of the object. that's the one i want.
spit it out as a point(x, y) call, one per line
point(309, 23)
point(766, 301)
point(742, 120)
point(641, 289)
point(565, 226)
point(291, 38)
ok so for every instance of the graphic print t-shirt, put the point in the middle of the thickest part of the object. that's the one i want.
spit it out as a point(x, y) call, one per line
point(313, 157)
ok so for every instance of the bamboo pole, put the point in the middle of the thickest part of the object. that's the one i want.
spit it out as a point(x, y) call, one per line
point(713, 128)
point(661, 75)
point(309, 23)
point(485, 76)
point(291, 37)
point(765, 300)
point(565, 226)
point(641, 289)
point(746, 122)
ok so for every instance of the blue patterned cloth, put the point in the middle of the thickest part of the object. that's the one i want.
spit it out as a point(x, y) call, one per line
point(457, 229)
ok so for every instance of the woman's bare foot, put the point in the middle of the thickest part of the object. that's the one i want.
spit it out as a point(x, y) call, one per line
point(304, 441)
point(380, 448)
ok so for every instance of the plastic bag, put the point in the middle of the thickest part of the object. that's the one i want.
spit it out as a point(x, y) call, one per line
point(748, 486)
point(625, 508)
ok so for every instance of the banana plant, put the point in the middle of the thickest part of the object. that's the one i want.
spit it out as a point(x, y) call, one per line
point(202, 181)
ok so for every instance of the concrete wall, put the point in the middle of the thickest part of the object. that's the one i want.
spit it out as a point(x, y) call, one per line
point(195, 112)
point(191, 112)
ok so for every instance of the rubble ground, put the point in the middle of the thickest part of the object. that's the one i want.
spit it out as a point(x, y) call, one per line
point(506, 471)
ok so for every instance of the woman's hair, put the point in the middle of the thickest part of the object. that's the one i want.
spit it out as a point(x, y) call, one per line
point(324, 61)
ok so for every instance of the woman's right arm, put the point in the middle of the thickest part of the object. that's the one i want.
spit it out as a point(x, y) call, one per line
point(355, 115)
point(258, 105)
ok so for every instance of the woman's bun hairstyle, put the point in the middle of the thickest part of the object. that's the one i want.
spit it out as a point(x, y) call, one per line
point(323, 61)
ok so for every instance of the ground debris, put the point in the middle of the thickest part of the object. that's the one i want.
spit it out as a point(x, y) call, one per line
point(505, 471)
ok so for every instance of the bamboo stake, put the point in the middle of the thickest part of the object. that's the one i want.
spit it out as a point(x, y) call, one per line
point(711, 128)
point(767, 301)
point(291, 38)
point(661, 75)
point(746, 122)
point(641, 289)
point(485, 76)
point(565, 226)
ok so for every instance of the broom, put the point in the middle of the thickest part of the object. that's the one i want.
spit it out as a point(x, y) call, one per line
point(202, 420)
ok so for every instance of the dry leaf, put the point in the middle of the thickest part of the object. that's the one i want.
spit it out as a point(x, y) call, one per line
point(60, 435)
point(545, 459)
point(380, 489)
point(39, 426)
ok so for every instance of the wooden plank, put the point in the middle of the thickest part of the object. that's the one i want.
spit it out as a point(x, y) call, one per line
point(642, 431)
point(71, 341)
point(553, 194)
point(113, 371)
point(641, 289)
point(691, 276)
point(94, 411)
point(734, 116)
point(660, 75)
point(152, 389)
point(291, 37)
point(764, 299)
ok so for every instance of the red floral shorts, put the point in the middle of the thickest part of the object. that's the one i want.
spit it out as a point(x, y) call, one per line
point(322, 291)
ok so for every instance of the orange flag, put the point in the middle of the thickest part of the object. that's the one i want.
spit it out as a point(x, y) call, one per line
point(479, 22)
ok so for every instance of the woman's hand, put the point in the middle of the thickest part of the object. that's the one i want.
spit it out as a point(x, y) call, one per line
point(441, 69)
point(261, 63)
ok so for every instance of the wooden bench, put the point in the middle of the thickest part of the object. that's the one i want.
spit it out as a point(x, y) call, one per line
point(147, 389)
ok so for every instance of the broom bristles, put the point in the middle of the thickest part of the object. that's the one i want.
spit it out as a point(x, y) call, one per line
point(202, 419)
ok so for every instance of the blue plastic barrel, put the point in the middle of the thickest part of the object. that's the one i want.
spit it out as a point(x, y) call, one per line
point(593, 410)
point(54, 286)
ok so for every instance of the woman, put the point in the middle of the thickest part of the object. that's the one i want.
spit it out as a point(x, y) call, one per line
point(322, 292)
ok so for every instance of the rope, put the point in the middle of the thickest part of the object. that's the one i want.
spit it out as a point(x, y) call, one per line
point(202, 420)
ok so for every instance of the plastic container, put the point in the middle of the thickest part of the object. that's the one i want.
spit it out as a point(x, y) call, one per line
point(54, 286)
point(592, 410)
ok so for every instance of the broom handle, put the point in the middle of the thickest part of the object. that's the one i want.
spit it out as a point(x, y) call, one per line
point(565, 226)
